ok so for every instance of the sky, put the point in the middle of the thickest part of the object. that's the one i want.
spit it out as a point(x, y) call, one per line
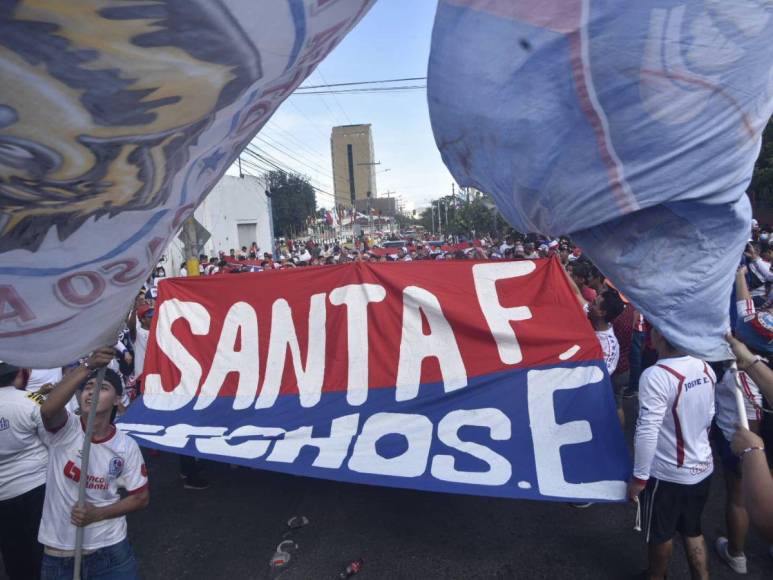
point(391, 41)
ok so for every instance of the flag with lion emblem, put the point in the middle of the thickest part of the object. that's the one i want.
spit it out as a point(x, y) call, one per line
point(116, 119)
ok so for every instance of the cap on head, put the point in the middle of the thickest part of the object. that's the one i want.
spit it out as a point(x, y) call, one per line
point(145, 311)
point(8, 368)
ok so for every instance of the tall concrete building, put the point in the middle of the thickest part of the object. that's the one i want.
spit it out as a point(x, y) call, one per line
point(354, 172)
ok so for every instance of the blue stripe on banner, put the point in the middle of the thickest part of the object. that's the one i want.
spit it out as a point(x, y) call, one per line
point(299, 21)
point(521, 434)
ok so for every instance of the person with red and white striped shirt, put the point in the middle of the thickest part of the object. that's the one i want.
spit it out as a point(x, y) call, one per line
point(755, 330)
point(672, 460)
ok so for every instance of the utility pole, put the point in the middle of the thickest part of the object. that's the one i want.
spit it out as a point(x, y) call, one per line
point(370, 216)
point(271, 221)
point(190, 247)
point(432, 209)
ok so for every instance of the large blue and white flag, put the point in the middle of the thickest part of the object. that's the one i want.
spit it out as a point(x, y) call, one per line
point(116, 120)
point(632, 126)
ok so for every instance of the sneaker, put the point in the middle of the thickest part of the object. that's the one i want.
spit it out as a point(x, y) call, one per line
point(581, 506)
point(736, 563)
point(195, 482)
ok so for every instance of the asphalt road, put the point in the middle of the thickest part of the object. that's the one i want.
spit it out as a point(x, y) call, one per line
point(230, 531)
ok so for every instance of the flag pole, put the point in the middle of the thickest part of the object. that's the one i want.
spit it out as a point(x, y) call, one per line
point(739, 396)
point(78, 555)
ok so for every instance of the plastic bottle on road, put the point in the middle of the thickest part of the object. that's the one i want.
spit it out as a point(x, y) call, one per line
point(352, 568)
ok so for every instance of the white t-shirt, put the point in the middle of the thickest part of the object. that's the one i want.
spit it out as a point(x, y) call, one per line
point(676, 406)
point(140, 346)
point(41, 377)
point(23, 457)
point(610, 347)
point(115, 462)
point(727, 410)
point(183, 271)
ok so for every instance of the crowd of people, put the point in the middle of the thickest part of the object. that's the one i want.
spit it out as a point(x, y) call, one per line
point(687, 414)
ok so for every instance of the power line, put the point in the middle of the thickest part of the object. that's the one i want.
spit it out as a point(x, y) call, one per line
point(361, 83)
point(362, 91)
point(335, 99)
point(276, 165)
point(282, 149)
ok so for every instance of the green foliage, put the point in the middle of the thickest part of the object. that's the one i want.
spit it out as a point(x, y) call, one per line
point(762, 178)
point(475, 217)
point(293, 201)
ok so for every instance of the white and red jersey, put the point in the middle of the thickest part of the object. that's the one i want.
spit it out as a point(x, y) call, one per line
point(23, 457)
point(676, 407)
point(727, 408)
point(115, 462)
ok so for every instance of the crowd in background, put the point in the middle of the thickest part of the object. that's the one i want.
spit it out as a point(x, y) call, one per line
point(682, 399)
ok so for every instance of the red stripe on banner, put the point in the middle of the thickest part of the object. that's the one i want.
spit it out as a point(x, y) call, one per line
point(481, 319)
point(677, 423)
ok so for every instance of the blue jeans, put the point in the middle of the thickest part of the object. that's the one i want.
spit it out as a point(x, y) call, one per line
point(114, 562)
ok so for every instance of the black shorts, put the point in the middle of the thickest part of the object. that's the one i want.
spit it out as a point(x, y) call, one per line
point(668, 508)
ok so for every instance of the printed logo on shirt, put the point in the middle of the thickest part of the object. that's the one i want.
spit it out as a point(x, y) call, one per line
point(695, 383)
point(36, 397)
point(4, 424)
point(73, 472)
point(115, 468)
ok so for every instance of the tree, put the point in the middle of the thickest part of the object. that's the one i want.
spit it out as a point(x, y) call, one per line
point(762, 178)
point(474, 218)
point(293, 201)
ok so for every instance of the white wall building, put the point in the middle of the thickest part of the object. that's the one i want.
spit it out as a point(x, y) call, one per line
point(236, 213)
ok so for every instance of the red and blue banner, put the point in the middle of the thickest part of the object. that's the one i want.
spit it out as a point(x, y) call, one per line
point(468, 377)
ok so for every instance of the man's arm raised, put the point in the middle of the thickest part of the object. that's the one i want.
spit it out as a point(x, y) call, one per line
point(53, 410)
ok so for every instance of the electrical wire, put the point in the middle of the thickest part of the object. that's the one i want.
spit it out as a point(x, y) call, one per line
point(363, 91)
point(361, 83)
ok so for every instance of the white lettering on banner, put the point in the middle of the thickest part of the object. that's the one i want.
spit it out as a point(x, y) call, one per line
point(246, 450)
point(356, 297)
point(240, 322)
point(549, 436)
point(499, 471)
point(417, 430)
point(196, 315)
point(177, 435)
point(332, 450)
point(497, 316)
point(415, 346)
point(309, 378)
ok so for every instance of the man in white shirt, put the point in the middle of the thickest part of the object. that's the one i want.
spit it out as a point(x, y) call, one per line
point(758, 260)
point(672, 456)
point(139, 328)
point(115, 463)
point(755, 330)
point(23, 464)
